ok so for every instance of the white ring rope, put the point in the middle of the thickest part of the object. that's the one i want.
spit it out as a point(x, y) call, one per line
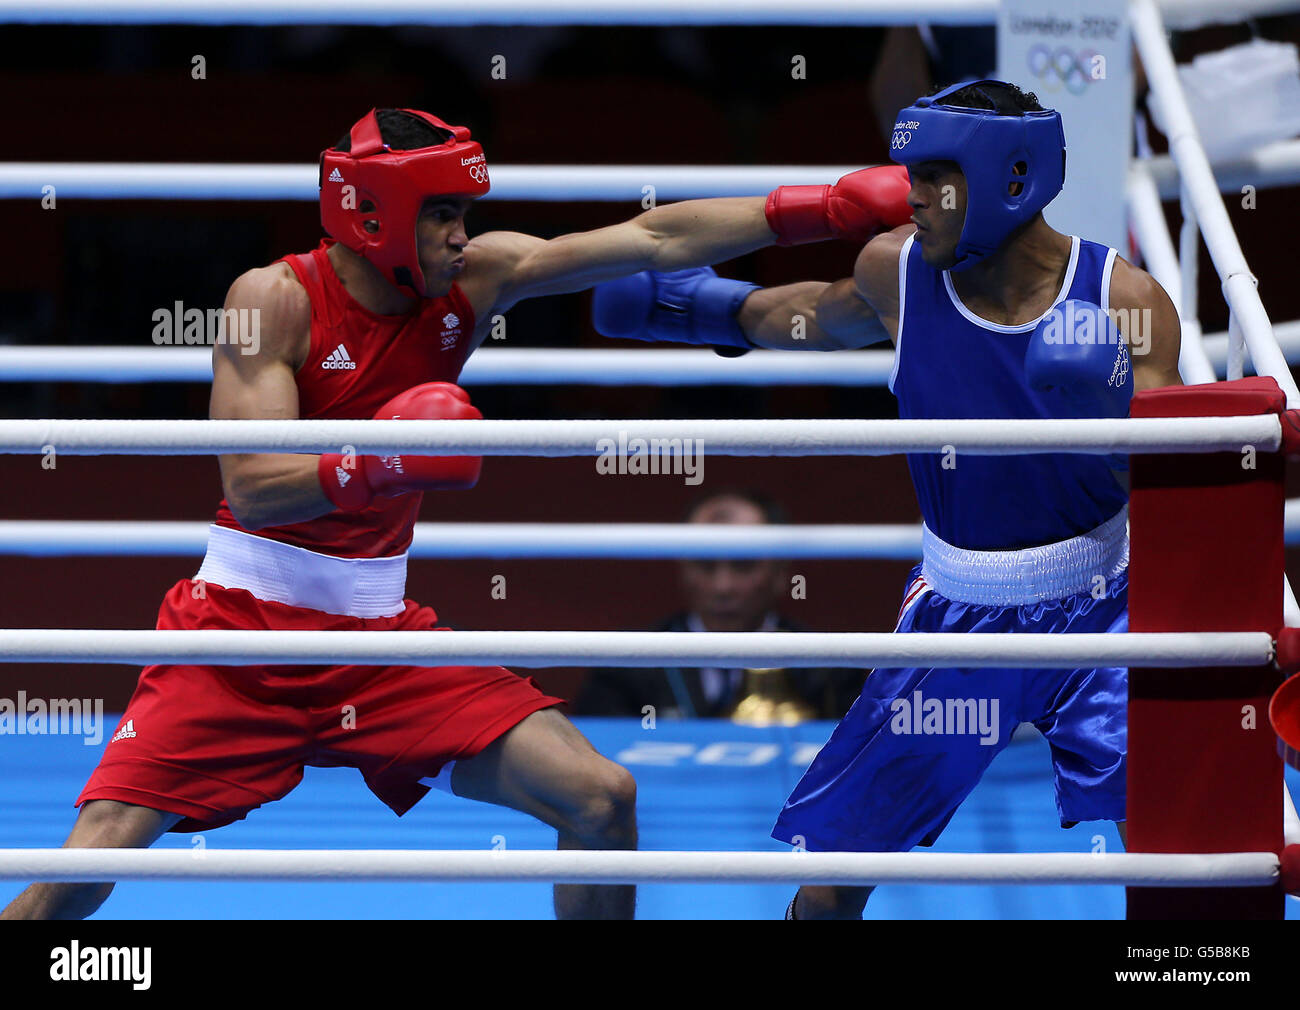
point(214, 181)
point(526, 366)
point(575, 866)
point(1181, 13)
point(670, 541)
point(530, 366)
point(617, 438)
point(445, 13)
point(1276, 164)
point(644, 541)
point(759, 650)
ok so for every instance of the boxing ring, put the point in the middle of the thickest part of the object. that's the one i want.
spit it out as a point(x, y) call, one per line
point(1192, 435)
point(1185, 439)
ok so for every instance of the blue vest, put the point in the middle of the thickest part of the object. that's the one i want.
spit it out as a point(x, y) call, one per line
point(951, 363)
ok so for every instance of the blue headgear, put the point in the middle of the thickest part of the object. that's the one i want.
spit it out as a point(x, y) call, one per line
point(987, 146)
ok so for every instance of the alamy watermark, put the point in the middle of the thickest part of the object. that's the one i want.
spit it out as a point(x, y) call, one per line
point(194, 327)
point(77, 963)
point(1067, 324)
point(921, 716)
point(26, 716)
point(680, 456)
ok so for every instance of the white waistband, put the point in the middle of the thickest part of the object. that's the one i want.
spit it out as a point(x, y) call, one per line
point(282, 573)
point(1009, 578)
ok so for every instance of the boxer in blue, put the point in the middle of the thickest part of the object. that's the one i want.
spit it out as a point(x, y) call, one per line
point(992, 313)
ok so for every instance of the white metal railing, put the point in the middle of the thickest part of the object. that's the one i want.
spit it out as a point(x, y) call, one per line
point(578, 866)
point(1275, 164)
point(635, 648)
point(674, 443)
point(1187, 172)
point(1148, 221)
point(1203, 205)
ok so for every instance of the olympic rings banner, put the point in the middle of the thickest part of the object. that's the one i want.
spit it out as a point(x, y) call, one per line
point(1077, 59)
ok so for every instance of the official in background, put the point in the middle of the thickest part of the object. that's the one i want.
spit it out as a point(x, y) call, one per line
point(739, 595)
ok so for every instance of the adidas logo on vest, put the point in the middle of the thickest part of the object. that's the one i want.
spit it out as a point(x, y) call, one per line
point(126, 731)
point(339, 359)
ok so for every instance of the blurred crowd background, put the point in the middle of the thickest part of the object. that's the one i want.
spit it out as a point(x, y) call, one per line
point(93, 271)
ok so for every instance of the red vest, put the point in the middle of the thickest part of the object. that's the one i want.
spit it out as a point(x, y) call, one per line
point(357, 362)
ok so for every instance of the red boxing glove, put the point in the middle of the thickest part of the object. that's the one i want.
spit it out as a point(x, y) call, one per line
point(861, 204)
point(353, 486)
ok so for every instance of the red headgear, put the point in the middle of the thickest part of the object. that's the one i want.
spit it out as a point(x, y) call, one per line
point(397, 183)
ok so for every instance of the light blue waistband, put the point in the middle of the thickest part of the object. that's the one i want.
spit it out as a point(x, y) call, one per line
point(1081, 564)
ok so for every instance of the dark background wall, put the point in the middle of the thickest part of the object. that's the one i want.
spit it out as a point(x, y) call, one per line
point(92, 272)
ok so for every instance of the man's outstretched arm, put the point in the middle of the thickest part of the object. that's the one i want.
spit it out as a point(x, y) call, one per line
point(511, 266)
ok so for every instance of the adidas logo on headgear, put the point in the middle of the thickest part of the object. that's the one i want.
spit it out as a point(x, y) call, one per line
point(339, 359)
point(336, 176)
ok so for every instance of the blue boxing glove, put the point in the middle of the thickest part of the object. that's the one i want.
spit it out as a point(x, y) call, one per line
point(693, 306)
point(1079, 363)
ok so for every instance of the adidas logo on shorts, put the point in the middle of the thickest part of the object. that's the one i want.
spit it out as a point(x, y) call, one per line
point(126, 731)
point(339, 359)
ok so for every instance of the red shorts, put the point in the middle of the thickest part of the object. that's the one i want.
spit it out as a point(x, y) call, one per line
point(213, 742)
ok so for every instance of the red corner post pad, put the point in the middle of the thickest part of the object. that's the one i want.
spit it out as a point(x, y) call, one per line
point(1206, 555)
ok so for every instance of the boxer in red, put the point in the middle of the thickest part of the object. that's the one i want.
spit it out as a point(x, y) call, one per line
point(378, 322)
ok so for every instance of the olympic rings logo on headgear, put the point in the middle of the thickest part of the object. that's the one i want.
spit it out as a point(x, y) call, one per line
point(478, 173)
point(900, 140)
point(1061, 67)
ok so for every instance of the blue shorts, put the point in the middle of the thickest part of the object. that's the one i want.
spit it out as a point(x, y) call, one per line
point(917, 741)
